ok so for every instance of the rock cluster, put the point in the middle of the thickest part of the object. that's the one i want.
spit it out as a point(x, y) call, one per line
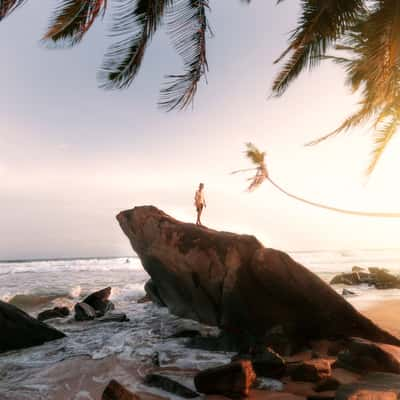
point(377, 277)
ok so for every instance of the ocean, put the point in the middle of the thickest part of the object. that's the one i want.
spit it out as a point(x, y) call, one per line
point(38, 285)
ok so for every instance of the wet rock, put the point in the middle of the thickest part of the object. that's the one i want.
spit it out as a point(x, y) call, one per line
point(169, 385)
point(18, 330)
point(374, 386)
point(233, 282)
point(234, 379)
point(311, 371)
point(266, 363)
point(84, 312)
point(115, 391)
point(357, 269)
point(99, 301)
point(152, 293)
point(56, 312)
point(347, 292)
point(186, 333)
point(145, 299)
point(327, 384)
point(365, 356)
point(352, 278)
point(114, 317)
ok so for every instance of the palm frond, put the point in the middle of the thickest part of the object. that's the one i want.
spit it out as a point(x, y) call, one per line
point(188, 26)
point(322, 22)
point(383, 136)
point(255, 155)
point(8, 6)
point(72, 19)
point(134, 24)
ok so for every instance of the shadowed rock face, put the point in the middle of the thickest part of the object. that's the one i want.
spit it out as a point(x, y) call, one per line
point(18, 330)
point(232, 281)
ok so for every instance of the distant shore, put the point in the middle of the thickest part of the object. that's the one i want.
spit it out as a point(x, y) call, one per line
point(386, 314)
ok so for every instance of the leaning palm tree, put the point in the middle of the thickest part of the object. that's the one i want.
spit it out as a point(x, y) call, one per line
point(257, 158)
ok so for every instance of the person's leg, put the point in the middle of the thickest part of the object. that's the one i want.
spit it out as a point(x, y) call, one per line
point(199, 211)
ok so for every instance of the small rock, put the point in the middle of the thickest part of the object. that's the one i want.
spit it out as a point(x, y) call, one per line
point(145, 299)
point(115, 391)
point(169, 385)
point(114, 317)
point(84, 312)
point(346, 292)
point(365, 356)
point(311, 371)
point(234, 379)
point(56, 312)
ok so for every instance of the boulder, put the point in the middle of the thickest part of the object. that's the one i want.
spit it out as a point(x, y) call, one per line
point(232, 380)
point(374, 386)
point(152, 293)
point(84, 312)
point(234, 282)
point(19, 330)
point(266, 363)
point(365, 356)
point(56, 312)
point(327, 384)
point(115, 391)
point(357, 269)
point(351, 278)
point(169, 385)
point(100, 301)
point(311, 371)
point(347, 292)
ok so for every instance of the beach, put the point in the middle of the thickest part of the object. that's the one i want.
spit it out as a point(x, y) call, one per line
point(386, 314)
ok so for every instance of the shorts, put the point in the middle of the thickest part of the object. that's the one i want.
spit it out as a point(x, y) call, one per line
point(199, 207)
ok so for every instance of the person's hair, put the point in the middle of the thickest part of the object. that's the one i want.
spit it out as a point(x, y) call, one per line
point(201, 185)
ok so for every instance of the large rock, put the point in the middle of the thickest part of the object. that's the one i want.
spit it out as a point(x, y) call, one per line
point(378, 277)
point(115, 391)
point(232, 281)
point(100, 301)
point(365, 356)
point(56, 312)
point(18, 330)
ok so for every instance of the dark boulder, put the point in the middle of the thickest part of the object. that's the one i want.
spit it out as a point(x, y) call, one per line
point(232, 380)
point(152, 293)
point(100, 301)
point(311, 371)
point(233, 282)
point(169, 385)
point(365, 356)
point(378, 277)
point(115, 391)
point(19, 330)
point(56, 312)
point(266, 363)
point(327, 384)
point(85, 312)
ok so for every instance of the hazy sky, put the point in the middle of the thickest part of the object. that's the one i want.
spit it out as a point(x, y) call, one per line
point(73, 155)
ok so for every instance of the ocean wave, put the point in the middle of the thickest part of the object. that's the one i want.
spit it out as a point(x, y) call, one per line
point(78, 265)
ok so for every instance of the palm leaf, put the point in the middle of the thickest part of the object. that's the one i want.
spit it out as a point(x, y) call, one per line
point(8, 6)
point(72, 19)
point(188, 26)
point(134, 24)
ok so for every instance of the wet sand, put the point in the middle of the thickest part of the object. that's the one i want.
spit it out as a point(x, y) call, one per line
point(386, 314)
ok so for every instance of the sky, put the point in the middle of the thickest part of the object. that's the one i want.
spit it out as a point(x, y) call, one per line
point(73, 155)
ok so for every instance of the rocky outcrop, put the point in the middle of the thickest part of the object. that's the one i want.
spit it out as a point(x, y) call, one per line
point(232, 281)
point(378, 277)
point(56, 312)
point(18, 330)
point(100, 301)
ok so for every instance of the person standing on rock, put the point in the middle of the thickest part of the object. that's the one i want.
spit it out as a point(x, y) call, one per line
point(199, 202)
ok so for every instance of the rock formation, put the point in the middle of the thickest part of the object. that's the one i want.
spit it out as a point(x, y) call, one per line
point(18, 330)
point(234, 282)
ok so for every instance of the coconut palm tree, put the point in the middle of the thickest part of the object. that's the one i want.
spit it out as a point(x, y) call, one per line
point(365, 39)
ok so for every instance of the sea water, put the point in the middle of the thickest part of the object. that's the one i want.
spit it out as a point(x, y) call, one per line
point(38, 285)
